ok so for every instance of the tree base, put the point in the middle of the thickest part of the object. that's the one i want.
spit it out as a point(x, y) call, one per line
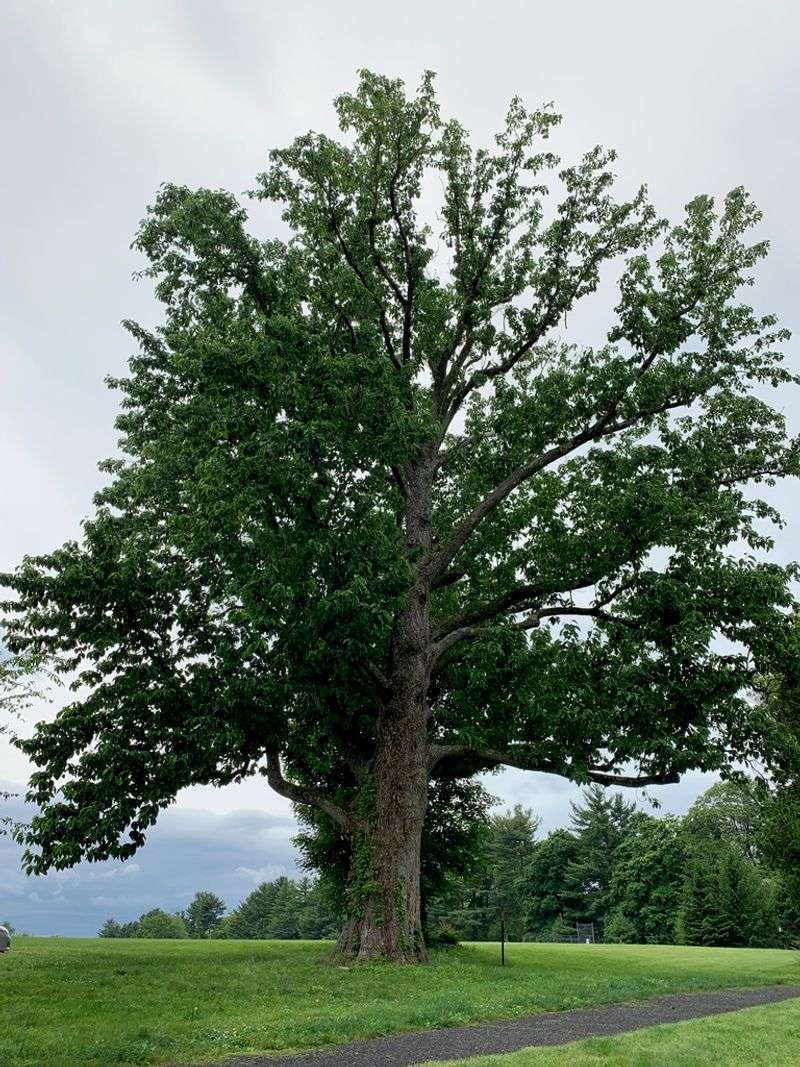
point(363, 939)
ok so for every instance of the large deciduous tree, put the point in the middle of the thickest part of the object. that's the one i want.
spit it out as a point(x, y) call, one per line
point(377, 522)
point(646, 883)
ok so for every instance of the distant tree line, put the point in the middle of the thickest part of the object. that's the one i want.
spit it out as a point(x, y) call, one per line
point(284, 909)
point(715, 877)
point(724, 874)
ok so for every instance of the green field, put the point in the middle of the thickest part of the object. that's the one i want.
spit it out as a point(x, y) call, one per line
point(757, 1037)
point(97, 1003)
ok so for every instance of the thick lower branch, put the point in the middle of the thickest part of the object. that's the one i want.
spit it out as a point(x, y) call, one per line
point(300, 794)
point(527, 761)
point(490, 757)
point(635, 780)
point(591, 612)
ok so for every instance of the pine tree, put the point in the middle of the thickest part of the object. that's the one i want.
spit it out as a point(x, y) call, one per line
point(204, 914)
point(746, 901)
point(620, 928)
point(698, 921)
point(253, 916)
point(316, 916)
point(493, 882)
point(510, 849)
point(599, 822)
point(283, 921)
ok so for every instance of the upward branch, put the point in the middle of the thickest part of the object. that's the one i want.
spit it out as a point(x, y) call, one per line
point(602, 427)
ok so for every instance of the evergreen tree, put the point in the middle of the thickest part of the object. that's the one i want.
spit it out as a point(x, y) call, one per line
point(494, 882)
point(779, 828)
point(699, 921)
point(730, 837)
point(620, 928)
point(599, 822)
point(465, 908)
point(455, 851)
point(560, 928)
point(510, 847)
point(254, 915)
point(779, 842)
point(747, 905)
point(728, 900)
point(204, 914)
point(775, 927)
point(316, 916)
point(285, 909)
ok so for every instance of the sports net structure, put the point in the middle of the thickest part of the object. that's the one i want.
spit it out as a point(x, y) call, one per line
point(583, 935)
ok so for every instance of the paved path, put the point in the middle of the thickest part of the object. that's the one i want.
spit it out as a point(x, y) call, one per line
point(509, 1035)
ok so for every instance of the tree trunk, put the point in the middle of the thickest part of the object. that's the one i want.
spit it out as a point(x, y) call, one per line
point(384, 906)
point(384, 911)
point(384, 902)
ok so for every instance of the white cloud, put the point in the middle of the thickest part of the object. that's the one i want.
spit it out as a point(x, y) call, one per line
point(256, 875)
point(124, 871)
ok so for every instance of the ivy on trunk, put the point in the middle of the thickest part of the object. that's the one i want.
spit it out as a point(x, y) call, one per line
point(377, 524)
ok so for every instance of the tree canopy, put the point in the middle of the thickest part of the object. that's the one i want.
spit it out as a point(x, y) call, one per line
point(377, 521)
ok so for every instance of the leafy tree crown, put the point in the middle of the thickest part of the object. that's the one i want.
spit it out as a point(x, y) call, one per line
point(386, 404)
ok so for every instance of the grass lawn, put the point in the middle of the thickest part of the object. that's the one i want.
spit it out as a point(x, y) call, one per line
point(96, 1003)
point(757, 1037)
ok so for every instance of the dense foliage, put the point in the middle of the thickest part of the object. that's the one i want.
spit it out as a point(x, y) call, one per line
point(638, 878)
point(377, 522)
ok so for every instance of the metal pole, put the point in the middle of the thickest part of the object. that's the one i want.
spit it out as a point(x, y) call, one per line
point(502, 939)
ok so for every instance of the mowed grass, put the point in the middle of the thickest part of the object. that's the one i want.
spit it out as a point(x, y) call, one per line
point(756, 1037)
point(97, 1003)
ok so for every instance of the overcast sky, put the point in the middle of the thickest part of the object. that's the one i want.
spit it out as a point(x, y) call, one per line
point(100, 103)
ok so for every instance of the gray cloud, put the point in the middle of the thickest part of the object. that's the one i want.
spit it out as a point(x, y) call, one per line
point(188, 850)
point(102, 102)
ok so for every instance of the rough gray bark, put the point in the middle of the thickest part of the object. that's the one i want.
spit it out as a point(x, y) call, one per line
point(386, 919)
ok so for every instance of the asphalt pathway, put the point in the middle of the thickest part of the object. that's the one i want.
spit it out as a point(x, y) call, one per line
point(510, 1035)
